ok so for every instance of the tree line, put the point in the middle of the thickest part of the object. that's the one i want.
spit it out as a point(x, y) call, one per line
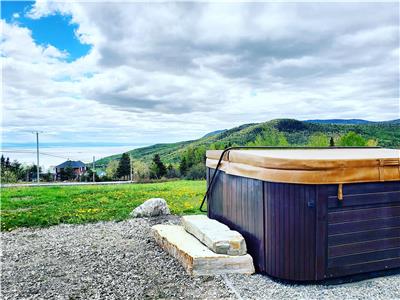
point(191, 164)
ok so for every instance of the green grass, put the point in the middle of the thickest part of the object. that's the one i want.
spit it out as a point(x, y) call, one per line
point(46, 206)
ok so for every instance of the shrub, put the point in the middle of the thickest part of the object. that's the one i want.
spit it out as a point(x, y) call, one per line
point(197, 171)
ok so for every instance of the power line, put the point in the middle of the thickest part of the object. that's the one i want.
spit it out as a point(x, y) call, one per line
point(31, 151)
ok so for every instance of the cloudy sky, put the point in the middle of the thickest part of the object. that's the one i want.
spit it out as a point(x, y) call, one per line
point(135, 74)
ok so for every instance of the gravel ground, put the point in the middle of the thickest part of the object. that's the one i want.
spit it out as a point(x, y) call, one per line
point(109, 260)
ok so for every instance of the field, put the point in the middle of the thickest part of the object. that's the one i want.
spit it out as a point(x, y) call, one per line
point(46, 206)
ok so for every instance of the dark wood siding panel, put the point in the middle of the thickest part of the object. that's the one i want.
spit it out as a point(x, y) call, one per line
point(290, 230)
point(238, 203)
point(364, 229)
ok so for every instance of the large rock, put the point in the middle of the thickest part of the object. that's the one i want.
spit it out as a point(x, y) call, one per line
point(216, 236)
point(151, 208)
point(195, 257)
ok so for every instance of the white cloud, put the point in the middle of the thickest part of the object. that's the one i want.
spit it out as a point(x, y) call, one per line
point(161, 72)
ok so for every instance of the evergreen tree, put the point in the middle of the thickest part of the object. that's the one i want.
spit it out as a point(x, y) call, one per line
point(158, 168)
point(331, 142)
point(7, 164)
point(3, 161)
point(124, 167)
point(183, 167)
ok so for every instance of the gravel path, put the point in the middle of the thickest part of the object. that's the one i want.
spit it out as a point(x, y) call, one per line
point(109, 260)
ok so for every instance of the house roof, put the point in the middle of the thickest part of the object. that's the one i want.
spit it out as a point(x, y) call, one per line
point(71, 164)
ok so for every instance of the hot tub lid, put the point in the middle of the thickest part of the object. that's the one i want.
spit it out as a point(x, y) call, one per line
point(311, 166)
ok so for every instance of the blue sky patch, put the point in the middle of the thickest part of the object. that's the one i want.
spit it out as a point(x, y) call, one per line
point(56, 30)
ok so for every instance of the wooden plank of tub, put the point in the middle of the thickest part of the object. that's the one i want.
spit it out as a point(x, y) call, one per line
point(367, 246)
point(354, 237)
point(363, 214)
point(364, 199)
point(348, 227)
point(384, 264)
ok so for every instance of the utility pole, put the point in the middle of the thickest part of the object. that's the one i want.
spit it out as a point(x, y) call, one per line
point(130, 164)
point(37, 156)
point(94, 170)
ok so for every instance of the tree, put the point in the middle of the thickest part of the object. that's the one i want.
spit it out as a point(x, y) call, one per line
point(124, 167)
point(88, 176)
point(67, 173)
point(47, 176)
point(331, 142)
point(318, 140)
point(7, 163)
point(183, 167)
point(111, 169)
point(197, 171)
point(351, 139)
point(172, 172)
point(31, 171)
point(157, 168)
point(271, 137)
point(372, 143)
point(141, 170)
point(3, 162)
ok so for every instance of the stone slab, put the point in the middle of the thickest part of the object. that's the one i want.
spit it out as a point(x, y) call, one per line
point(195, 257)
point(216, 236)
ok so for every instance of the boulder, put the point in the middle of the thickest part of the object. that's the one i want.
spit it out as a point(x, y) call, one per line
point(151, 208)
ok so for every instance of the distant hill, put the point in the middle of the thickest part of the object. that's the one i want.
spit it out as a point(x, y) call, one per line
point(296, 132)
point(351, 121)
point(214, 133)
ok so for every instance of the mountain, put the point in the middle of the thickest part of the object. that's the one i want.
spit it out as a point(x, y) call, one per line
point(296, 132)
point(214, 133)
point(351, 121)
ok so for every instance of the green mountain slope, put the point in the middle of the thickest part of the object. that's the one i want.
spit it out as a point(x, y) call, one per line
point(296, 132)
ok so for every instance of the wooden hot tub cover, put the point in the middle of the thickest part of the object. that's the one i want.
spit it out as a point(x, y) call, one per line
point(311, 166)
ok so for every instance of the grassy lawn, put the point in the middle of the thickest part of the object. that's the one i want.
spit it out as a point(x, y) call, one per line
point(45, 206)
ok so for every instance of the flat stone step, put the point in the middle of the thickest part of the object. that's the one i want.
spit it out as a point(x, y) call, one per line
point(215, 235)
point(195, 257)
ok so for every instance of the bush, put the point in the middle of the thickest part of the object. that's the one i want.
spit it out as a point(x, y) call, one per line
point(197, 171)
point(8, 177)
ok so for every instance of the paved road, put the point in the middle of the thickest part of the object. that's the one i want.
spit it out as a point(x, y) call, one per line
point(64, 183)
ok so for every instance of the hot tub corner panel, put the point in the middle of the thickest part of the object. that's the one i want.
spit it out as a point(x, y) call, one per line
point(304, 232)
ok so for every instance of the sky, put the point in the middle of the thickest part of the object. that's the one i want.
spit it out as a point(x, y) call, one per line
point(128, 74)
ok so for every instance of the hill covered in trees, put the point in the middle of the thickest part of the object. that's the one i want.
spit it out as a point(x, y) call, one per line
point(276, 132)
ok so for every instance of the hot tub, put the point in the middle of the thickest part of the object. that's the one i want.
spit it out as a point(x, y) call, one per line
point(311, 214)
